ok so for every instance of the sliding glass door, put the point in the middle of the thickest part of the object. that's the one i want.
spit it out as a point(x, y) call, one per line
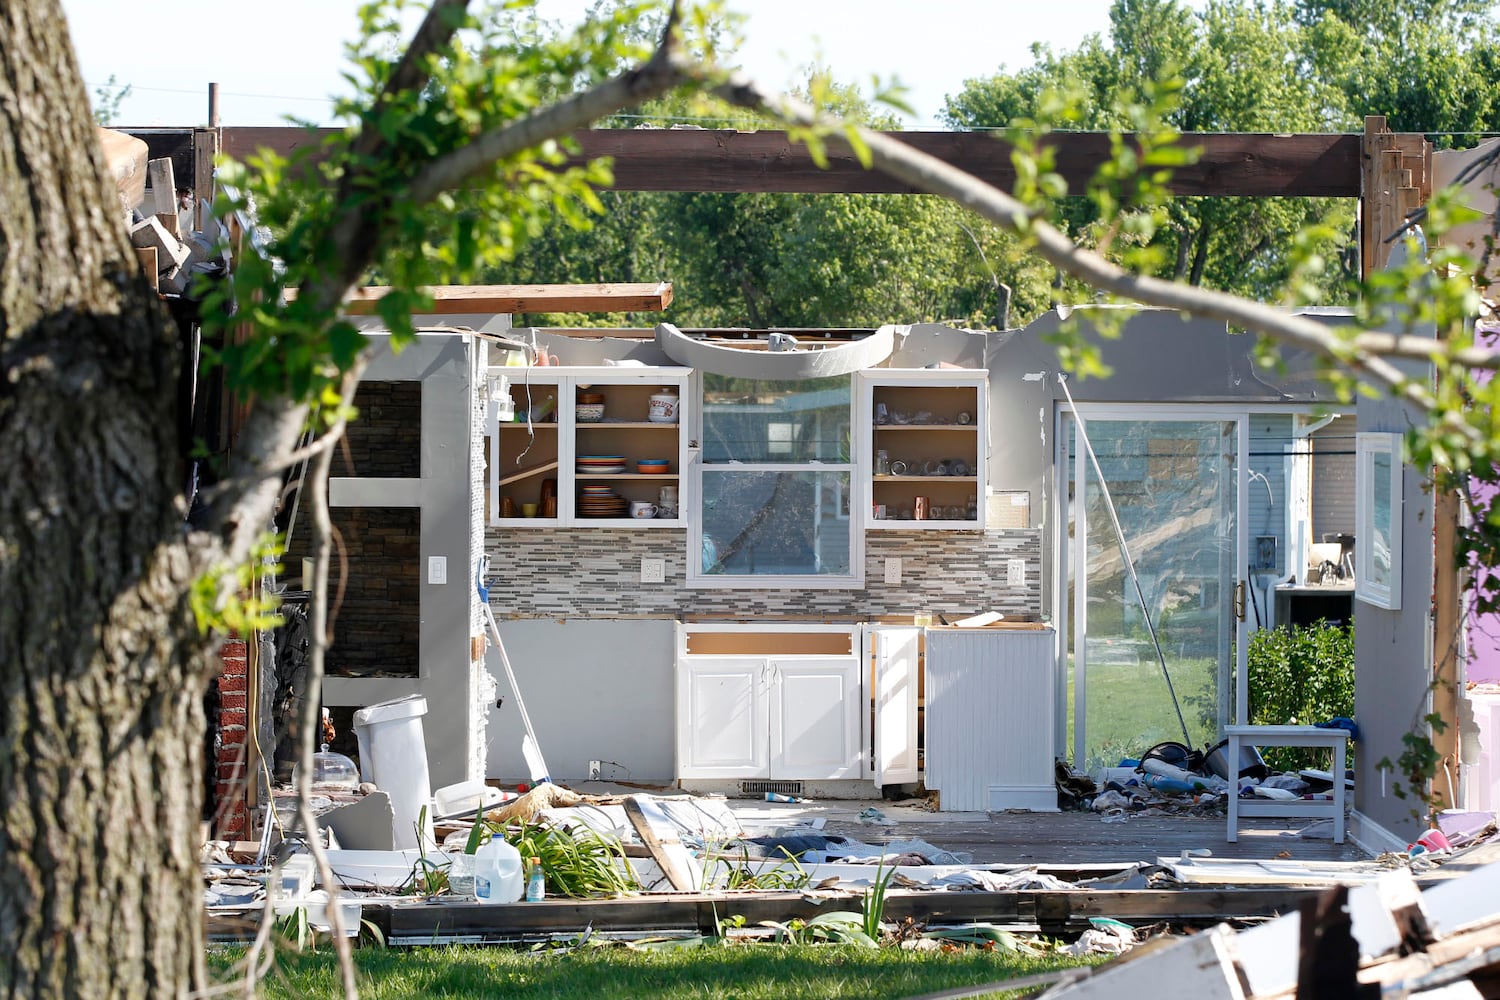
point(1152, 552)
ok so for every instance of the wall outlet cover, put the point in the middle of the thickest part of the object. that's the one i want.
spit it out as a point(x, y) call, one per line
point(437, 569)
point(1015, 572)
point(653, 570)
point(893, 569)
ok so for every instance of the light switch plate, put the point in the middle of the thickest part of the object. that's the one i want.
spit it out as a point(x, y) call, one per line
point(653, 570)
point(437, 569)
point(893, 569)
point(1015, 572)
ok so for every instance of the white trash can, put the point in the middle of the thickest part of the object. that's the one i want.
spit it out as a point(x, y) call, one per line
point(393, 754)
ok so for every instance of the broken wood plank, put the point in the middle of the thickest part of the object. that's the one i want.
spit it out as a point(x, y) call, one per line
point(1308, 165)
point(451, 300)
point(125, 162)
point(1328, 954)
point(529, 471)
point(1201, 967)
point(169, 222)
point(205, 152)
point(162, 186)
point(150, 233)
point(659, 847)
point(147, 257)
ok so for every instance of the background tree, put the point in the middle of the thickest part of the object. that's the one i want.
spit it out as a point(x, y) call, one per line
point(1244, 68)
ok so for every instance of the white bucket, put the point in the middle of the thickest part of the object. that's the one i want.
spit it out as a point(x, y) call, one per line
point(393, 754)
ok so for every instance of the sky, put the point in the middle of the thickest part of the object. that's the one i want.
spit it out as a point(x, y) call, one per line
point(273, 58)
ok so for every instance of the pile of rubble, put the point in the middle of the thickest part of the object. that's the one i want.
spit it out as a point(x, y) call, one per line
point(1171, 779)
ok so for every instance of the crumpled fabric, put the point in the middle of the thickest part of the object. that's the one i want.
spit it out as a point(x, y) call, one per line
point(989, 881)
point(858, 849)
point(797, 845)
point(1106, 938)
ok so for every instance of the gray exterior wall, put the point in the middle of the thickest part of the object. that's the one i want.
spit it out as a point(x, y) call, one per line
point(595, 689)
point(443, 494)
point(1393, 652)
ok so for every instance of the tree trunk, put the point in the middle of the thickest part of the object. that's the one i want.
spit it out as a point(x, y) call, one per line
point(102, 670)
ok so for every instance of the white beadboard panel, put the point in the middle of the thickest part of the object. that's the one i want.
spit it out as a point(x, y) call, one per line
point(989, 699)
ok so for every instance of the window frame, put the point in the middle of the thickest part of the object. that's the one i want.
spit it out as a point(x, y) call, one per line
point(696, 578)
point(1368, 447)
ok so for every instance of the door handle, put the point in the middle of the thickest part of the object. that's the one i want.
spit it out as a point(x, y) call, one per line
point(1239, 600)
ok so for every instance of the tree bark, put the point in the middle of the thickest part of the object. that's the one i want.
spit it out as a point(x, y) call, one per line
point(102, 672)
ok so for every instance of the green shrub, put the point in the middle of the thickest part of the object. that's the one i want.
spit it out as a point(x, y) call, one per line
point(1300, 675)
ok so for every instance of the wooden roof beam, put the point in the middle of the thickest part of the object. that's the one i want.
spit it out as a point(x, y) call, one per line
point(1231, 164)
point(723, 160)
point(451, 300)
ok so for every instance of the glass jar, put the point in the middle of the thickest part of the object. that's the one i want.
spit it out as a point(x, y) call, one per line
point(882, 463)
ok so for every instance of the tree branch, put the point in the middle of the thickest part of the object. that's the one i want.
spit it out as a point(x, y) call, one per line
point(664, 71)
point(318, 637)
point(411, 73)
point(936, 176)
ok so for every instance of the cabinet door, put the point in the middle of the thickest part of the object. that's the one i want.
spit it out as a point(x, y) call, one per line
point(815, 730)
point(721, 717)
point(894, 655)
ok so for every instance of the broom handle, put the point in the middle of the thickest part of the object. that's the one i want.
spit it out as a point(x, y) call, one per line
point(510, 674)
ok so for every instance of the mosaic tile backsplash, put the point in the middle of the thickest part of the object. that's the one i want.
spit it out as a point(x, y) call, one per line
point(561, 573)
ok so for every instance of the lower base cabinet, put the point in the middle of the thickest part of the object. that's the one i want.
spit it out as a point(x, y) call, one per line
point(783, 716)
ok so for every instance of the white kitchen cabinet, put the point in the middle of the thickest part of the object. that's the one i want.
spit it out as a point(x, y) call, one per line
point(750, 706)
point(551, 448)
point(931, 426)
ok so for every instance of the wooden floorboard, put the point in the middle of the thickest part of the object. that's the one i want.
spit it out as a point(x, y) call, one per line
point(1077, 838)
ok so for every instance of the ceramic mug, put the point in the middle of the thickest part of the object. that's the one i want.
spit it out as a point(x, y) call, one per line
point(642, 508)
point(528, 510)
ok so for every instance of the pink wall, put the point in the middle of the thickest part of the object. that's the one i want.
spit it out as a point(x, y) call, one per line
point(1484, 631)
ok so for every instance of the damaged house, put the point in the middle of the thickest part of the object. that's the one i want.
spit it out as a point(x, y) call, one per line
point(742, 578)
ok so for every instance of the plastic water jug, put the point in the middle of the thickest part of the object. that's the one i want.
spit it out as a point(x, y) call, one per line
point(497, 873)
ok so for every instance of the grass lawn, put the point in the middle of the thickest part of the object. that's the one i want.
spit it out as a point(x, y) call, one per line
point(1130, 710)
point(745, 972)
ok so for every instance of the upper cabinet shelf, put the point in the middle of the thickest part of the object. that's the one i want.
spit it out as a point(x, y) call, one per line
point(923, 451)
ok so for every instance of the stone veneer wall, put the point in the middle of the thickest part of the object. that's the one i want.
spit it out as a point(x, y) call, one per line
point(386, 441)
point(376, 620)
point(558, 573)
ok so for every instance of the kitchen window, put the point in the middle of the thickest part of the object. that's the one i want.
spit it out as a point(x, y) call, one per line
point(775, 474)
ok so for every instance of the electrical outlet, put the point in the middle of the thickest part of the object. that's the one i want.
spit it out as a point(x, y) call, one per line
point(893, 569)
point(437, 569)
point(1015, 572)
point(653, 570)
point(595, 769)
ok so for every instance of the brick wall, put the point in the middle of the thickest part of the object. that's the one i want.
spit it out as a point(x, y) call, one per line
point(230, 816)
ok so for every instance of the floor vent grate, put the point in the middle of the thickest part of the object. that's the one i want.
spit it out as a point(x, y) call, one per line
point(762, 787)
